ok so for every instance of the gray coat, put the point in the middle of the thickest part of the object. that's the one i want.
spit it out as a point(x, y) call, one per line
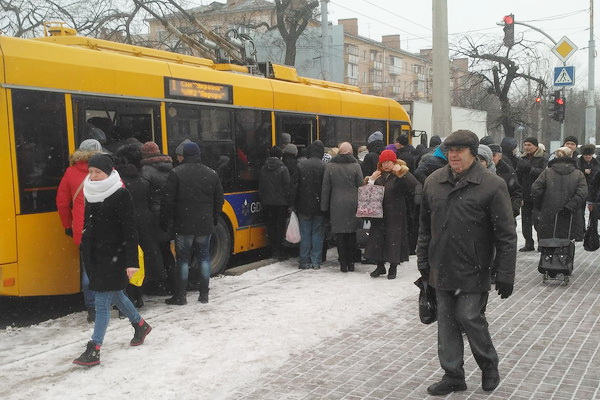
point(461, 223)
point(559, 186)
point(339, 194)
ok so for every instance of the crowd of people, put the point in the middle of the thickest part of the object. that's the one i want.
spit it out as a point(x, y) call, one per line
point(454, 204)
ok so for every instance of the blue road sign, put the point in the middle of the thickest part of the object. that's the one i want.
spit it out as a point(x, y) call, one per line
point(564, 76)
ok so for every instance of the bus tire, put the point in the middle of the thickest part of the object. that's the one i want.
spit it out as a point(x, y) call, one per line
point(221, 244)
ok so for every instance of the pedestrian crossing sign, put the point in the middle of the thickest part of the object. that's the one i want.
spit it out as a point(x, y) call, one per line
point(564, 76)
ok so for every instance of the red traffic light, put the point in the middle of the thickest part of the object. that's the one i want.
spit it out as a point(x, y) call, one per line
point(509, 19)
point(538, 99)
point(560, 101)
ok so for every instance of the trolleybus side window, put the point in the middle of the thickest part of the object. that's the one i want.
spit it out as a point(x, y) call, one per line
point(210, 128)
point(303, 129)
point(41, 147)
point(252, 144)
point(115, 123)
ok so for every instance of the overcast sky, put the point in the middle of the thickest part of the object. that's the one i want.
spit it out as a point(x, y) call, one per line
point(412, 21)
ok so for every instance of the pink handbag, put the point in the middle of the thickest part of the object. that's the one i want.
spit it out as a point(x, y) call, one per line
point(370, 201)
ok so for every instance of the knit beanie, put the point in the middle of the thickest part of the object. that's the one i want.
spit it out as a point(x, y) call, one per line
point(191, 149)
point(103, 162)
point(90, 145)
point(463, 138)
point(571, 139)
point(387, 155)
point(179, 149)
point(532, 140)
point(403, 140)
point(286, 138)
point(150, 149)
point(377, 135)
point(290, 149)
point(435, 141)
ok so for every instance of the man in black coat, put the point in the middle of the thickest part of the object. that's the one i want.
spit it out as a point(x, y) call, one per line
point(406, 152)
point(465, 215)
point(375, 145)
point(509, 147)
point(505, 171)
point(192, 203)
point(529, 167)
point(308, 206)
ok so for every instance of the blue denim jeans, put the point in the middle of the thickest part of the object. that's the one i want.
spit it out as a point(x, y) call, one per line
point(104, 301)
point(88, 295)
point(185, 245)
point(312, 230)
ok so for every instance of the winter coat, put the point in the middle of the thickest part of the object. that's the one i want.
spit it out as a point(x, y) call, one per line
point(505, 171)
point(559, 186)
point(310, 182)
point(591, 179)
point(110, 241)
point(388, 236)
point(193, 199)
point(139, 188)
point(430, 164)
point(508, 145)
point(409, 155)
point(461, 223)
point(71, 212)
point(291, 163)
point(369, 164)
point(528, 169)
point(339, 195)
point(274, 183)
point(156, 171)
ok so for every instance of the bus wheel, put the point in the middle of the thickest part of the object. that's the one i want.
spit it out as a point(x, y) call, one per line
point(220, 247)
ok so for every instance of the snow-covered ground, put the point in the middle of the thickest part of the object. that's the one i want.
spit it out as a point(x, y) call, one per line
point(254, 322)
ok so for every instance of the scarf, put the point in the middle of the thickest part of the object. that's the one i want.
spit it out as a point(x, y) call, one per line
point(98, 191)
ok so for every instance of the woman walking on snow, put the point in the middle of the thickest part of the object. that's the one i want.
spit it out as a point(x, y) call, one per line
point(110, 252)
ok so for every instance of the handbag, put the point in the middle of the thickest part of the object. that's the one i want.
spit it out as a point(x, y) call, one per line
point(137, 279)
point(591, 240)
point(427, 302)
point(370, 201)
point(292, 233)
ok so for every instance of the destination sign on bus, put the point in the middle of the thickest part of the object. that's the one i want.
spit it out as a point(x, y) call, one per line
point(195, 90)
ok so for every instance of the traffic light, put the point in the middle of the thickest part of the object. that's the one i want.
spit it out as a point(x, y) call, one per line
point(509, 30)
point(557, 106)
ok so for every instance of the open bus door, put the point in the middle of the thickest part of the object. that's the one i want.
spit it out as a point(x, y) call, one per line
point(302, 129)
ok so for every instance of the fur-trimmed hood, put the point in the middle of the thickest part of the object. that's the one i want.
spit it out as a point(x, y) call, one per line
point(81, 155)
point(403, 168)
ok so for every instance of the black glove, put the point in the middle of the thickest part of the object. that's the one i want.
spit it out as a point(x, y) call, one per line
point(504, 289)
point(69, 232)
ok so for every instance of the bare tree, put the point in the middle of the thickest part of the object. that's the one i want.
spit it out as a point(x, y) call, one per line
point(499, 72)
point(292, 18)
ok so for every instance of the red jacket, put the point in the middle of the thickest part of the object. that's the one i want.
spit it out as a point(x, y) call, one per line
point(72, 216)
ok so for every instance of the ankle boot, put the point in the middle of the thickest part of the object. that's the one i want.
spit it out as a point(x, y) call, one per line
point(380, 270)
point(392, 271)
point(140, 331)
point(90, 357)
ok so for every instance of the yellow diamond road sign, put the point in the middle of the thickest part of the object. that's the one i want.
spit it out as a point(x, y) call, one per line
point(564, 49)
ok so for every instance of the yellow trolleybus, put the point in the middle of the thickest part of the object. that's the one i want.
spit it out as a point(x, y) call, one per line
point(59, 90)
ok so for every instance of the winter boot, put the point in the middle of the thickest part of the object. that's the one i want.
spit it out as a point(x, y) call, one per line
point(343, 267)
point(176, 301)
point(90, 357)
point(203, 298)
point(141, 330)
point(392, 271)
point(351, 267)
point(91, 315)
point(380, 270)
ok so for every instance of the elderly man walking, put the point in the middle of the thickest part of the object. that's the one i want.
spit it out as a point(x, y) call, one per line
point(465, 214)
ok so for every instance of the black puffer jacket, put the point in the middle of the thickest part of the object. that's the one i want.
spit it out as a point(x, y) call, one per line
point(369, 164)
point(156, 171)
point(110, 241)
point(274, 183)
point(505, 171)
point(310, 182)
point(193, 199)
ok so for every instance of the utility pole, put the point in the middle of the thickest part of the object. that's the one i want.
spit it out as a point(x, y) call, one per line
point(325, 48)
point(590, 110)
point(441, 119)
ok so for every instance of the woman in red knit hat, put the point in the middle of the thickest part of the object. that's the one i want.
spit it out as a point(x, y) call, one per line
point(388, 236)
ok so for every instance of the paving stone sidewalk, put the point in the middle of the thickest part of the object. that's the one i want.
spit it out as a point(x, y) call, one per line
point(547, 336)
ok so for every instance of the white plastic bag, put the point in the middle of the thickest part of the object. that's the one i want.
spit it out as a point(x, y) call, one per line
point(292, 234)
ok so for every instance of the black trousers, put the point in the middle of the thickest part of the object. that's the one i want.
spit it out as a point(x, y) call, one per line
point(527, 222)
point(464, 310)
point(276, 218)
point(346, 245)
